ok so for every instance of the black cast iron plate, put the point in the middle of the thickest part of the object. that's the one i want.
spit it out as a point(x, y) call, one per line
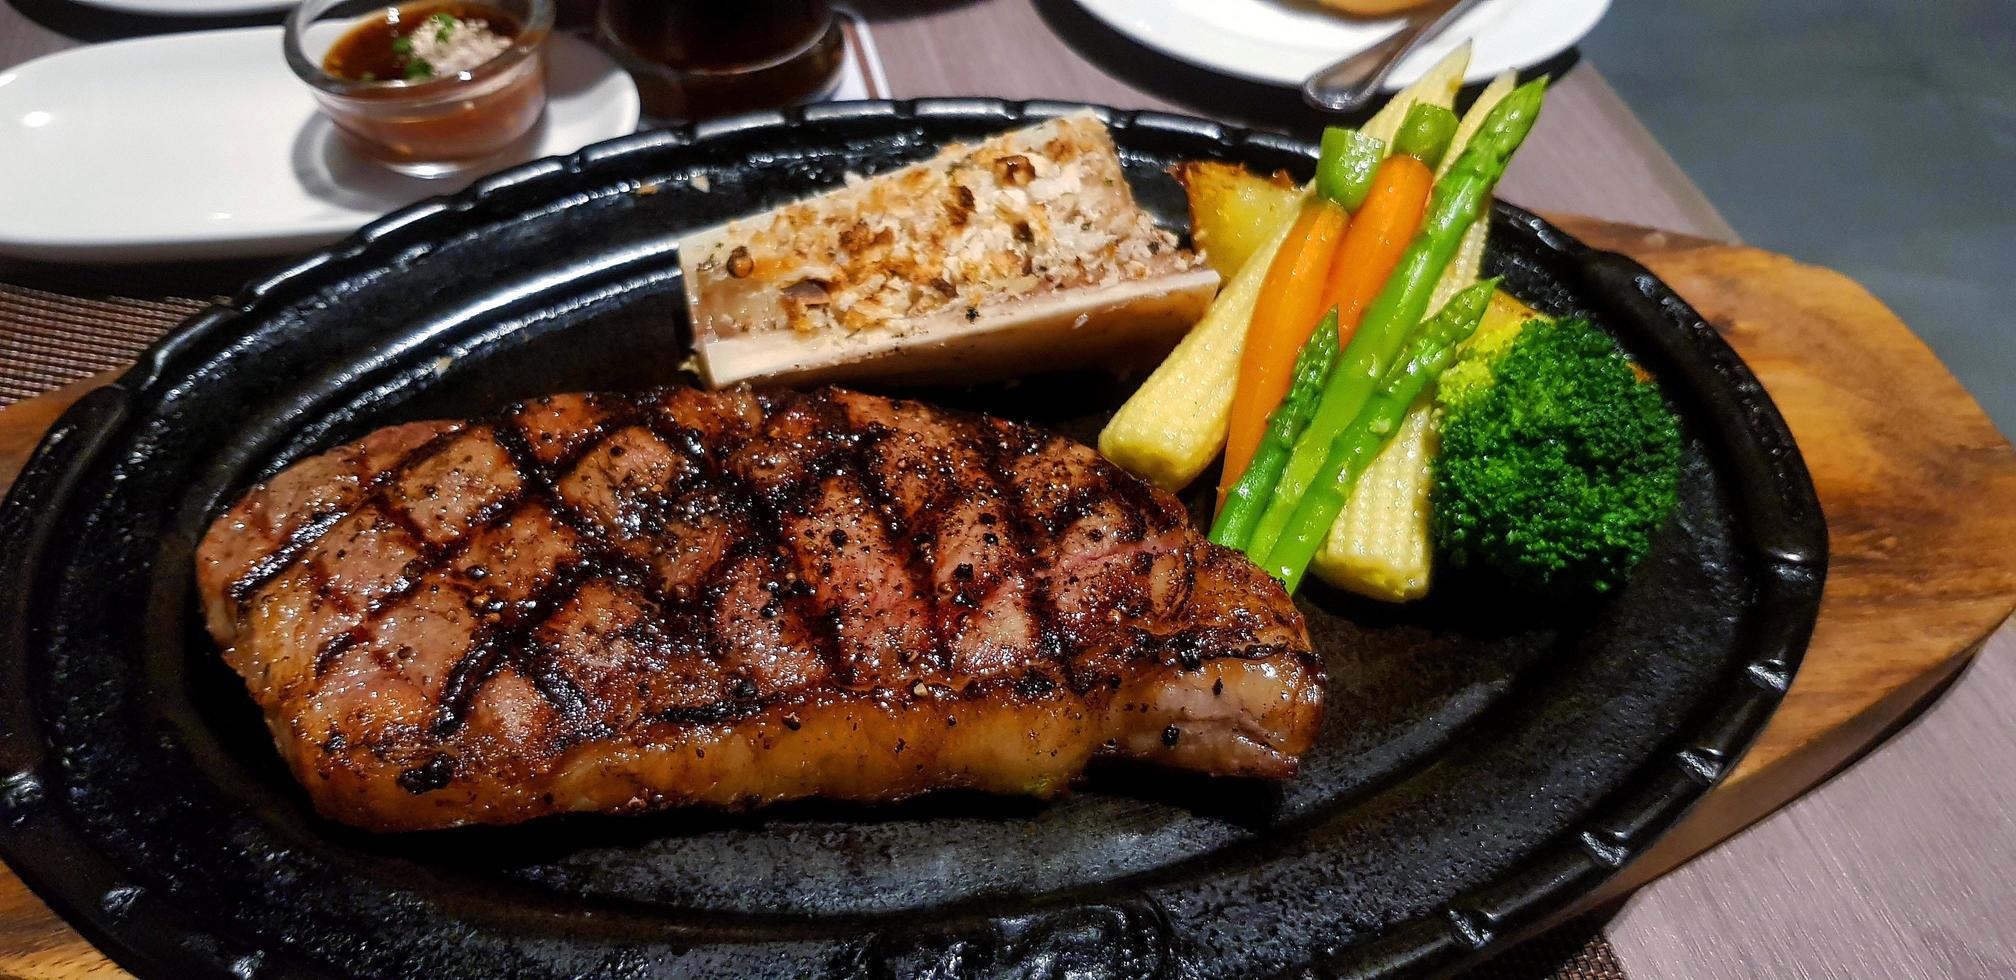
point(1482, 763)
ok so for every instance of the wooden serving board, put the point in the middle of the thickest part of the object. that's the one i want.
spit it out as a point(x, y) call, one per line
point(1915, 481)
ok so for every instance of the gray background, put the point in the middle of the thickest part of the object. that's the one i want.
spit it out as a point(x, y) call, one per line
point(1876, 137)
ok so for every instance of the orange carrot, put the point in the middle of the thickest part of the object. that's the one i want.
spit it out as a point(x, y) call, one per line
point(1378, 236)
point(1290, 304)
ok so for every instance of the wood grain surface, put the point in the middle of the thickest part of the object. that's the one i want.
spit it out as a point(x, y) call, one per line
point(1916, 483)
point(1913, 478)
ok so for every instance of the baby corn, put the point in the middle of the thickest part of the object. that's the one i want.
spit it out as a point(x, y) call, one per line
point(1174, 425)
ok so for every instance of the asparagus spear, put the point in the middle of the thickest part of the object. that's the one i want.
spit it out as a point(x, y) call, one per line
point(1427, 352)
point(1425, 133)
point(1249, 496)
point(1460, 198)
point(1345, 168)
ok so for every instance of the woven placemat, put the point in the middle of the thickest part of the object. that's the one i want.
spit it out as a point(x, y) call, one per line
point(1574, 950)
point(48, 340)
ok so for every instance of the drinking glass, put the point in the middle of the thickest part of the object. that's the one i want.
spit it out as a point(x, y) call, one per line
point(695, 59)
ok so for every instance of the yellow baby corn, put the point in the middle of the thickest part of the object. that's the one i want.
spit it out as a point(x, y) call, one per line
point(1437, 87)
point(1379, 545)
point(1174, 425)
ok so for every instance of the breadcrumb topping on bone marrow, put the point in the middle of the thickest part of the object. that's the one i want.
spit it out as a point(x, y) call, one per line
point(1034, 211)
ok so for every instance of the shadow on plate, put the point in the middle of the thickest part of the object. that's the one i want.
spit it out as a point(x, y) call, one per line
point(83, 22)
point(330, 171)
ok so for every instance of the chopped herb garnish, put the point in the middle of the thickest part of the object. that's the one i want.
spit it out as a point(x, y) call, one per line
point(444, 24)
point(369, 76)
point(418, 68)
point(402, 45)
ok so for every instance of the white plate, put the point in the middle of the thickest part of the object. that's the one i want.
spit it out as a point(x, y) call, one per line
point(1281, 42)
point(203, 145)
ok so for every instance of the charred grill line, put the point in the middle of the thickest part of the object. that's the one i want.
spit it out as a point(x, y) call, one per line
point(766, 514)
point(337, 646)
point(458, 689)
point(599, 558)
point(277, 561)
point(915, 563)
point(304, 537)
point(402, 518)
point(499, 643)
point(601, 555)
point(538, 665)
point(433, 556)
point(483, 658)
point(759, 535)
point(1000, 441)
point(990, 443)
point(626, 413)
point(712, 477)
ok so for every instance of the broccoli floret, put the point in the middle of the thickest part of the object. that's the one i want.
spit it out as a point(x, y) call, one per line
point(1558, 461)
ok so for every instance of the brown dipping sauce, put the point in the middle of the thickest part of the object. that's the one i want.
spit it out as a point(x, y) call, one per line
point(370, 52)
point(457, 118)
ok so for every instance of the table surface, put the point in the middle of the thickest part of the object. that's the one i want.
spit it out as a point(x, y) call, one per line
point(1903, 866)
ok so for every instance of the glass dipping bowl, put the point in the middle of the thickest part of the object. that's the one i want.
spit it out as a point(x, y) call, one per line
point(430, 127)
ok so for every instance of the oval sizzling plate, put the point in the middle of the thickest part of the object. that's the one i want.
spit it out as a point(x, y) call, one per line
point(1483, 763)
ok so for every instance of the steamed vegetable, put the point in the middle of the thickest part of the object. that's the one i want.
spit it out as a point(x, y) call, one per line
point(1345, 167)
point(1425, 133)
point(1233, 211)
point(1379, 546)
point(1427, 352)
point(1378, 236)
point(1294, 294)
point(1558, 460)
point(1249, 495)
point(1173, 426)
point(1437, 87)
point(1290, 303)
point(1459, 199)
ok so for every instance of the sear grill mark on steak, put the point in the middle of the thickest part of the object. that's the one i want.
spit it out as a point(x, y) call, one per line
point(619, 602)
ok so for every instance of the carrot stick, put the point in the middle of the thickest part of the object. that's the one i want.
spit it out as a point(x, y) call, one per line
point(1378, 235)
point(1291, 303)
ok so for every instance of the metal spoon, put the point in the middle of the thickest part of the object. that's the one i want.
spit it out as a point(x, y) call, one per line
point(1350, 84)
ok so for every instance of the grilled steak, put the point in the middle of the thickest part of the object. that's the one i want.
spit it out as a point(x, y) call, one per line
point(599, 602)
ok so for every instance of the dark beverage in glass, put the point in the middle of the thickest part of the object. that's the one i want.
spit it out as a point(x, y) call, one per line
point(699, 58)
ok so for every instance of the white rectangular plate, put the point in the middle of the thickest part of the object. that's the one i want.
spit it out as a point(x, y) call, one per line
point(204, 145)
